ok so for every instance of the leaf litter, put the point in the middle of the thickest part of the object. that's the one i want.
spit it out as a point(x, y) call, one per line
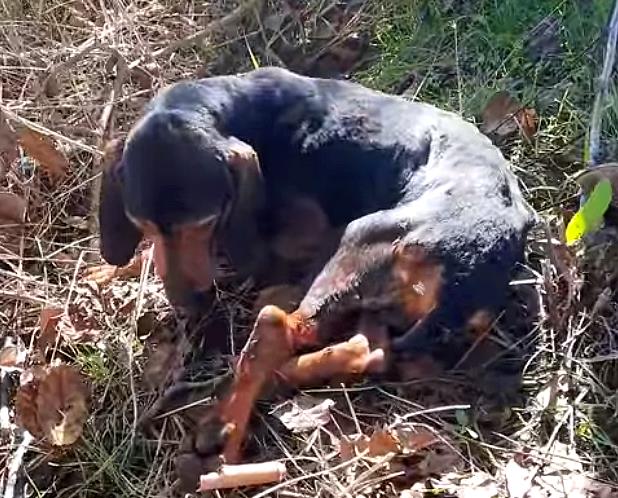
point(42, 149)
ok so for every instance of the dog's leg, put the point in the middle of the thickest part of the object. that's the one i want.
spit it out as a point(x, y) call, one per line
point(367, 264)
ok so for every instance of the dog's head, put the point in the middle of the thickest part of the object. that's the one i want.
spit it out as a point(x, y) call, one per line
point(185, 186)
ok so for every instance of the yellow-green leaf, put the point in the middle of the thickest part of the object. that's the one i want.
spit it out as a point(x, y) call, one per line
point(590, 215)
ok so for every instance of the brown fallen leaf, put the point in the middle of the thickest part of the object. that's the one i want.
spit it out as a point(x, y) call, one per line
point(304, 413)
point(77, 325)
point(413, 439)
point(504, 116)
point(49, 319)
point(105, 274)
point(380, 443)
point(8, 145)
point(43, 150)
point(12, 208)
point(54, 404)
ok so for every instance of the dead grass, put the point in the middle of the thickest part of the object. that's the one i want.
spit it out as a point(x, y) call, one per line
point(549, 377)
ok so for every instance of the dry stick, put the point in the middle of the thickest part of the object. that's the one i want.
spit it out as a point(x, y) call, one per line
point(83, 50)
point(5, 387)
point(46, 131)
point(217, 25)
point(603, 90)
point(250, 474)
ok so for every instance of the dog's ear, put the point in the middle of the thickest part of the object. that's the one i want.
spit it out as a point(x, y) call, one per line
point(119, 237)
point(241, 235)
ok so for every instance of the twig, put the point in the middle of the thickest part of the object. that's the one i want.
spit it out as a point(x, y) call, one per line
point(5, 388)
point(18, 456)
point(83, 50)
point(603, 88)
point(217, 25)
point(50, 133)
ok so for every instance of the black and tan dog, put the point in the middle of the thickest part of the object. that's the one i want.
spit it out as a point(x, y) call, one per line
point(433, 220)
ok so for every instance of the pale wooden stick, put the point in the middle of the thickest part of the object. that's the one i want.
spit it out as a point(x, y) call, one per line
point(250, 474)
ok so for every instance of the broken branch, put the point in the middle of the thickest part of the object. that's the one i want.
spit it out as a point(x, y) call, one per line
point(251, 474)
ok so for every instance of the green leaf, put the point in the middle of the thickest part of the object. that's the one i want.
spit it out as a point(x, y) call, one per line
point(590, 216)
point(587, 148)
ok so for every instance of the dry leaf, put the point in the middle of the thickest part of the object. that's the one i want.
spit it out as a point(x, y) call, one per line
point(43, 150)
point(504, 116)
point(48, 323)
point(304, 413)
point(104, 274)
point(54, 404)
point(8, 145)
point(413, 439)
point(475, 485)
point(381, 443)
point(351, 446)
point(77, 326)
point(12, 208)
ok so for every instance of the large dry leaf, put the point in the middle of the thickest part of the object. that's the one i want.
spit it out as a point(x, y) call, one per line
point(43, 150)
point(304, 413)
point(53, 404)
point(12, 208)
point(8, 145)
point(504, 116)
